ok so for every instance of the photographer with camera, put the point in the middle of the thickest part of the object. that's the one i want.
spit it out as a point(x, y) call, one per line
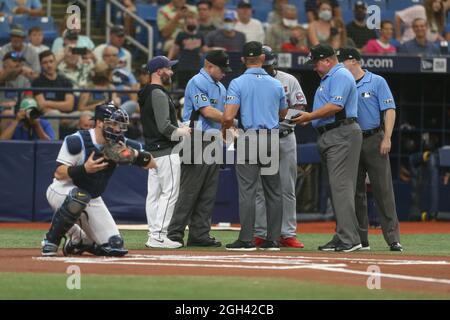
point(27, 125)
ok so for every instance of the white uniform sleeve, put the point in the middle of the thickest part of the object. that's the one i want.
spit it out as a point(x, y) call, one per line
point(65, 157)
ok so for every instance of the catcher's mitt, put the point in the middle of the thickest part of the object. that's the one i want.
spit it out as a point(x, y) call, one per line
point(119, 153)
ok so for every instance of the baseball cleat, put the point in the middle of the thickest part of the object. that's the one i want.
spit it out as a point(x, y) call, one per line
point(163, 243)
point(258, 241)
point(270, 246)
point(347, 247)
point(365, 246)
point(330, 246)
point(291, 242)
point(239, 245)
point(395, 246)
point(48, 249)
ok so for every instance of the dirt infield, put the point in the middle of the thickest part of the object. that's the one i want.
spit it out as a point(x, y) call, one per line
point(400, 272)
point(428, 227)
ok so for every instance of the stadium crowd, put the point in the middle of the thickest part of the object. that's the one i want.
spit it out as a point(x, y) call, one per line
point(189, 30)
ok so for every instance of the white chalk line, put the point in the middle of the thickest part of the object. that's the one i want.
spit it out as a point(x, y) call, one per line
point(294, 262)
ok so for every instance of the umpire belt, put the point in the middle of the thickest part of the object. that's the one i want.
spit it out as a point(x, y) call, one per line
point(328, 127)
point(284, 133)
point(371, 132)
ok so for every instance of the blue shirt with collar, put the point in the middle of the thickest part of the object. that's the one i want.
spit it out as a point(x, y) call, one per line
point(374, 96)
point(203, 91)
point(29, 134)
point(414, 47)
point(337, 87)
point(260, 97)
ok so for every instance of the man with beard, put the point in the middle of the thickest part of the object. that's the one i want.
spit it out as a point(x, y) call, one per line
point(160, 126)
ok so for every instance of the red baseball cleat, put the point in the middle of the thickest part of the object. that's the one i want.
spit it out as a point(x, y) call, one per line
point(291, 242)
point(258, 241)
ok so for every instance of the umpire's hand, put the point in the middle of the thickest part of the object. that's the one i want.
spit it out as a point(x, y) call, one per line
point(303, 119)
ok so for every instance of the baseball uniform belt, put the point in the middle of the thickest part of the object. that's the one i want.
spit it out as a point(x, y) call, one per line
point(328, 127)
point(286, 132)
point(371, 132)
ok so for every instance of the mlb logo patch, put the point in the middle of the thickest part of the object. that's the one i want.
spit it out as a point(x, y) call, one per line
point(299, 97)
point(388, 101)
point(366, 94)
point(338, 98)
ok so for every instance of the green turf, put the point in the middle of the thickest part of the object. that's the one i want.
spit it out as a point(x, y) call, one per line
point(415, 244)
point(53, 286)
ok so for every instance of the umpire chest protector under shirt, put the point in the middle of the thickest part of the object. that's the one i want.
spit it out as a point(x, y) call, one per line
point(337, 87)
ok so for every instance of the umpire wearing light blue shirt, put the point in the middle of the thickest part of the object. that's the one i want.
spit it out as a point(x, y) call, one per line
point(376, 117)
point(260, 100)
point(204, 102)
point(334, 117)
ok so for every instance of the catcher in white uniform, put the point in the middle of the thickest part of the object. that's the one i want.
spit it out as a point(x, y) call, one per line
point(86, 161)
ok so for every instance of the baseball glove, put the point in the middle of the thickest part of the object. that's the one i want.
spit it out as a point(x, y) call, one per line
point(119, 153)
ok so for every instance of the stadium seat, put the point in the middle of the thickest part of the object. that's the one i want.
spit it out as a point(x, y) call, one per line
point(148, 12)
point(4, 31)
point(397, 5)
point(261, 9)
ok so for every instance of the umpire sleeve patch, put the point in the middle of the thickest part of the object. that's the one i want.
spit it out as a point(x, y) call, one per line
point(74, 144)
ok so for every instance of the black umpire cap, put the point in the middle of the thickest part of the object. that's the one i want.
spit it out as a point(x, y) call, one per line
point(348, 53)
point(321, 51)
point(219, 58)
point(252, 49)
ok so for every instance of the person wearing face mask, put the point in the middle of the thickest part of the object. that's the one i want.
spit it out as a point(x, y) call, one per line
point(279, 33)
point(226, 38)
point(320, 31)
point(311, 8)
point(161, 134)
point(189, 45)
point(357, 30)
point(334, 115)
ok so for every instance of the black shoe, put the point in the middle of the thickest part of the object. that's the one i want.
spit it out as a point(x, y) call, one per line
point(270, 246)
point(365, 246)
point(330, 246)
point(239, 245)
point(347, 247)
point(210, 242)
point(395, 246)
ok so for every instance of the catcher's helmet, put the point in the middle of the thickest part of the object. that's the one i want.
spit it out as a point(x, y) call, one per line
point(104, 111)
point(115, 121)
point(271, 57)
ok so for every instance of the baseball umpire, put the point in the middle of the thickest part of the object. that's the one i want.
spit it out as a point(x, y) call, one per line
point(374, 100)
point(288, 160)
point(260, 100)
point(86, 161)
point(204, 101)
point(334, 117)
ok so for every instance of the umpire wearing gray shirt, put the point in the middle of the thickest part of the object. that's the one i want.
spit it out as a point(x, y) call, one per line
point(160, 126)
point(374, 100)
point(334, 115)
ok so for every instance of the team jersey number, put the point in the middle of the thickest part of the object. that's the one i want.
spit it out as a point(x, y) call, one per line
point(201, 96)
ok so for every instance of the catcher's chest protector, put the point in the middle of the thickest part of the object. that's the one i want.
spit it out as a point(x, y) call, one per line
point(94, 183)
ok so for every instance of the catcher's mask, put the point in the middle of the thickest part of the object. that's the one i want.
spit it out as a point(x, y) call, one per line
point(115, 121)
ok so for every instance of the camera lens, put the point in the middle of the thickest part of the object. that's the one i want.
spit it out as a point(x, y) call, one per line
point(33, 113)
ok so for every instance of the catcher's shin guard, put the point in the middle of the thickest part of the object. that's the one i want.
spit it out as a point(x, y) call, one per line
point(114, 248)
point(66, 216)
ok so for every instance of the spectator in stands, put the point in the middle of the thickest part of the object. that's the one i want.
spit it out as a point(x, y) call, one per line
point(319, 31)
point(338, 35)
point(188, 47)
point(142, 76)
point(12, 77)
point(251, 27)
point(420, 44)
point(53, 103)
point(170, 20)
point(24, 7)
point(85, 122)
point(357, 30)
point(226, 38)
point(431, 11)
point(100, 80)
point(128, 21)
point(447, 33)
point(116, 39)
point(122, 79)
point(31, 66)
point(36, 37)
point(279, 33)
point(312, 6)
point(276, 15)
point(298, 41)
point(218, 12)
point(28, 125)
point(82, 40)
point(382, 45)
point(204, 17)
point(75, 67)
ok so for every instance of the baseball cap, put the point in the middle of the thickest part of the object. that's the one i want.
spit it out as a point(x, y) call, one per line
point(160, 62)
point(321, 51)
point(117, 30)
point(14, 55)
point(229, 15)
point(219, 58)
point(271, 57)
point(252, 49)
point(17, 30)
point(70, 35)
point(244, 4)
point(348, 53)
point(360, 5)
point(28, 103)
